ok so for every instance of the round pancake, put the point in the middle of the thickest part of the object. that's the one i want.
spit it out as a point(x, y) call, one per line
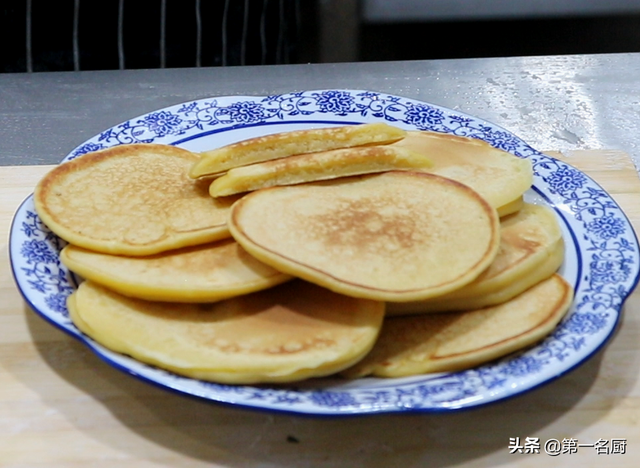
point(500, 177)
point(453, 341)
point(203, 273)
point(531, 249)
point(131, 200)
point(397, 236)
point(287, 333)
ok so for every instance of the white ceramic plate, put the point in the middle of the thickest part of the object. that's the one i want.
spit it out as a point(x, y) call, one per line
point(601, 261)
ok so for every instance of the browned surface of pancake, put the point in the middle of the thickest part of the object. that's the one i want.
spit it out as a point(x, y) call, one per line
point(132, 200)
point(203, 273)
point(453, 341)
point(531, 249)
point(395, 236)
point(287, 333)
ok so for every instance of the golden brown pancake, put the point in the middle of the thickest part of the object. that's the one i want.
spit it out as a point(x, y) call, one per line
point(531, 249)
point(510, 290)
point(311, 167)
point(131, 200)
point(287, 333)
point(420, 344)
point(511, 207)
point(203, 273)
point(498, 176)
point(280, 145)
point(398, 236)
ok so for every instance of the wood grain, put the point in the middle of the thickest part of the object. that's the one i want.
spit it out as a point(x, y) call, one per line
point(60, 406)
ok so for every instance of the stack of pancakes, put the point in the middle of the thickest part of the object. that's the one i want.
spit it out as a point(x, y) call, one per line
point(356, 250)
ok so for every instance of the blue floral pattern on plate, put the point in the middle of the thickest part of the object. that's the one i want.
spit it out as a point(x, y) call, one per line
point(602, 260)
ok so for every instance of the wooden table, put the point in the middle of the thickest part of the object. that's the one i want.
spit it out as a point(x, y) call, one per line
point(60, 406)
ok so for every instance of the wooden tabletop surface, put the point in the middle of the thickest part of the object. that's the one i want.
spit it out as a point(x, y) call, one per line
point(61, 406)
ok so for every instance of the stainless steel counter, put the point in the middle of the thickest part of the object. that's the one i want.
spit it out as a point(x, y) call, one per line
point(555, 102)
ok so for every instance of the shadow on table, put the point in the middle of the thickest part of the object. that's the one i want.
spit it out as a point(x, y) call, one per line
point(227, 436)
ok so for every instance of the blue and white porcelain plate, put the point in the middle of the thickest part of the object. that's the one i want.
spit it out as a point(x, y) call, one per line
point(601, 262)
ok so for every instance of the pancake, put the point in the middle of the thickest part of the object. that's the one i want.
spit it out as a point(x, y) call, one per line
point(204, 273)
point(279, 145)
point(131, 200)
point(498, 176)
point(397, 236)
point(287, 333)
point(454, 341)
point(511, 207)
point(548, 265)
point(316, 166)
point(531, 249)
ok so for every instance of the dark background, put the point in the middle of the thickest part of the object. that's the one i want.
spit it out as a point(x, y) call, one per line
point(556, 36)
point(52, 33)
point(295, 42)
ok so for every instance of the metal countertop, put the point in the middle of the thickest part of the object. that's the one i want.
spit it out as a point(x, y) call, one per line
point(552, 102)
